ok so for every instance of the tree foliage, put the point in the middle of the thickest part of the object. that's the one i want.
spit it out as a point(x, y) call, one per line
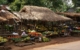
point(16, 5)
point(3, 2)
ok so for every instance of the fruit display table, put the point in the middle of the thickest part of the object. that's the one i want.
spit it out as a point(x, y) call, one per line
point(75, 33)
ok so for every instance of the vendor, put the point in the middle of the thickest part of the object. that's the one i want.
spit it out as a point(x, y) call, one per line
point(40, 37)
point(24, 34)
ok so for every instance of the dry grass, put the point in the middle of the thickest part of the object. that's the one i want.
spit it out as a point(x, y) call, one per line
point(6, 15)
point(38, 13)
point(70, 14)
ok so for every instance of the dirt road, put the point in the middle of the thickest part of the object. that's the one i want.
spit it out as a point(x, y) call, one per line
point(66, 46)
point(60, 40)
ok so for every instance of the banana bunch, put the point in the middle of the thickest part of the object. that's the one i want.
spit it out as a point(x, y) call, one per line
point(3, 39)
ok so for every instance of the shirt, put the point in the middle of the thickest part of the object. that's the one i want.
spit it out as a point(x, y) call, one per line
point(23, 34)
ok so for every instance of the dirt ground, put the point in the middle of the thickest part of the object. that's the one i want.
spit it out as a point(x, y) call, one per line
point(58, 40)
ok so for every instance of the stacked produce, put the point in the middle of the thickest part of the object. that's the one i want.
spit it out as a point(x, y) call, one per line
point(2, 40)
point(35, 34)
point(48, 33)
point(55, 32)
point(41, 27)
point(17, 39)
point(45, 39)
point(76, 31)
point(26, 38)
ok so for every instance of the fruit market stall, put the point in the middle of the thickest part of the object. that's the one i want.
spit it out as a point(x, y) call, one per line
point(38, 23)
point(75, 31)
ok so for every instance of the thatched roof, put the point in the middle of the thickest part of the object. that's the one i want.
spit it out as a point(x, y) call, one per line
point(7, 15)
point(71, 14)
point(64, 18)
point(38, 13)
point(2, 19)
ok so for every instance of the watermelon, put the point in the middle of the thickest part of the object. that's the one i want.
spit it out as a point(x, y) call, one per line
point(26, 38)
point(45, 39)
point(16, 39)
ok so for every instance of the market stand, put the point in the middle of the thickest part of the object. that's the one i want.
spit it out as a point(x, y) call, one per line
point(40, 19)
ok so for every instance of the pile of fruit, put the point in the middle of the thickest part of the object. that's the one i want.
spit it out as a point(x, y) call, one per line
point(47, 33)
point(26, 38)
point(3, 40)
point(16, 40)
point(76, 31)
point(45, 39)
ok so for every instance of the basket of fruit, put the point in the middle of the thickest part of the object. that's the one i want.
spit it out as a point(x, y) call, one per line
point(2, 40)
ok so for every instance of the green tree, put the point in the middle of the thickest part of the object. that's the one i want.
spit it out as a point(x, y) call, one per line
point(15, 5)
point(3, 2)
point(18, 4)
point(10, 1)
point(55, 5)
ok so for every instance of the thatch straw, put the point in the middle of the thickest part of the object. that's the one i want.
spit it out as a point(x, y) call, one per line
point(38, 13)
point(71, 14)
point(2, 19)
point(7, 15)
point(65, 18)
